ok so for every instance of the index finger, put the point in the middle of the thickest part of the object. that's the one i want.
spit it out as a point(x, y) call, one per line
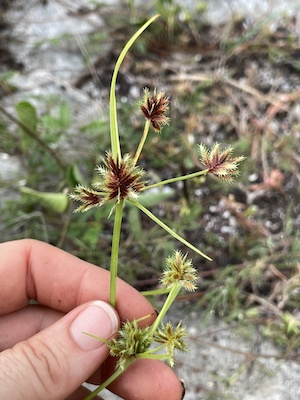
point(30, 269)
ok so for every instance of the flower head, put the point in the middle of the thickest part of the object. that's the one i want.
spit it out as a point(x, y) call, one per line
point(219, 162)
point(132, 340)
point(119, 179)
point(179, 269)
point(172, 338)
point(88, 197)
point(154, 108)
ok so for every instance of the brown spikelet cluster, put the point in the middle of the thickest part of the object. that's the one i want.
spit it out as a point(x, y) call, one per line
point(219, 162)
point(118, 180)
point(88, 197)
point(154, 108)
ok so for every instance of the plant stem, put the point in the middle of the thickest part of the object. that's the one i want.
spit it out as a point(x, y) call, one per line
point(153, 350)
point(177, 179)
point(171, 297)
point(142, 141)
point(115, 253)
point(108, 381)
point(168, 229)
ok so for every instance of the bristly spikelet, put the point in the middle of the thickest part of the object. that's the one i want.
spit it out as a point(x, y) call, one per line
point(172, 338)
point(219, 162)
point(155, 108)
point(119, 179)
point(179, 270)
point(88, 197)
point(132, 340)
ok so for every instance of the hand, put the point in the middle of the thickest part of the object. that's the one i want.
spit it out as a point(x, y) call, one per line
point(44, 352)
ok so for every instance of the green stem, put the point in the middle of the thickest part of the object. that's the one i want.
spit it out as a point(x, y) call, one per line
point(108, 381)
point(168, 229)
point(177, 179)
point(170, 299)
point(153, 350)
point(115, 253)
point(142, 141)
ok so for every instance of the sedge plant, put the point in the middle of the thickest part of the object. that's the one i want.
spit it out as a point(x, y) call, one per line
point(121, 180)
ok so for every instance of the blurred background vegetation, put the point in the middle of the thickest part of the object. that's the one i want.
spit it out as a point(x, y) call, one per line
point(235, 82)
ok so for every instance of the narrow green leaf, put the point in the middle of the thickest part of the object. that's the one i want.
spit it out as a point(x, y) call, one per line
point(114, 134)
point(169, 230)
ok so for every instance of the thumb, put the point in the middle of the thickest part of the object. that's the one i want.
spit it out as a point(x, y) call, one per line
point(53, 363)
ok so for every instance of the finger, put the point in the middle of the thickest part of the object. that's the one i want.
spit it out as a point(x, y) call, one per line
point(61, 281)
point(34, 270)
point(53, 363)
point(22, 324)
point(147, 375)
point(148, 380)
point(80, 394)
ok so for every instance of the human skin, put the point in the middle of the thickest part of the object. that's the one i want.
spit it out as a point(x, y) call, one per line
point(63, 286)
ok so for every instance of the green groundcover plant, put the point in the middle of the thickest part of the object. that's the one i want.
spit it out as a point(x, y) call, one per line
point(120, 180)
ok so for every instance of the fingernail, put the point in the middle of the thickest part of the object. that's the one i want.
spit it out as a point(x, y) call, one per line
point(98, 319)
point(183, 389)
